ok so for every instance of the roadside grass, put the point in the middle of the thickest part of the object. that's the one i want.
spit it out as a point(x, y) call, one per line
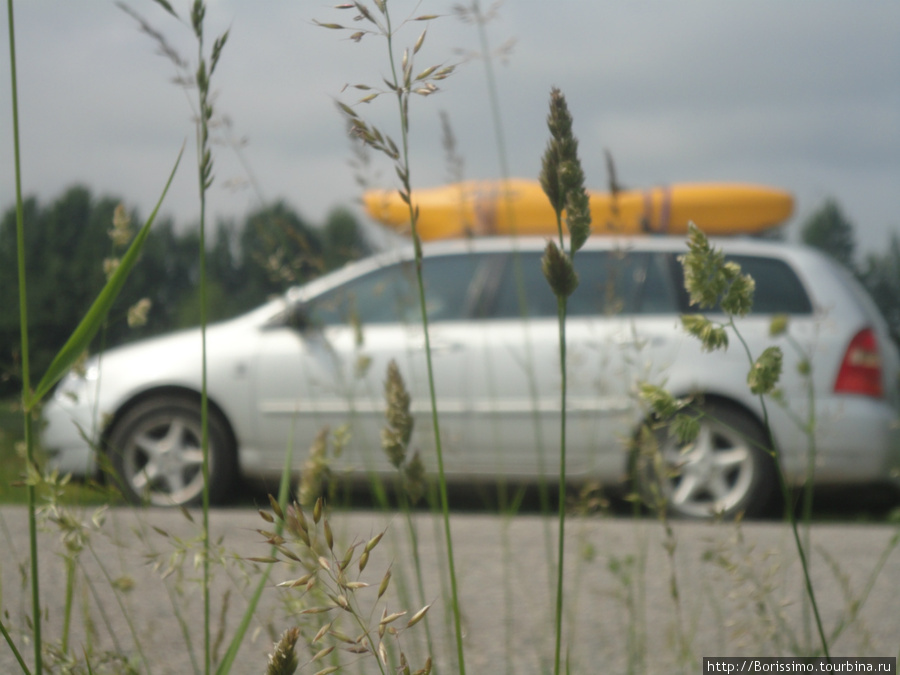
point(73, 492)
point(10, 462)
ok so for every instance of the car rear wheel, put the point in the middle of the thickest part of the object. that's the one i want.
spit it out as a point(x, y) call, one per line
point(724, 471)
point(156, 452)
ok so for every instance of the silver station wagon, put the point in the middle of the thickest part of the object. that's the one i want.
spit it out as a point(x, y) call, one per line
point(318, 357)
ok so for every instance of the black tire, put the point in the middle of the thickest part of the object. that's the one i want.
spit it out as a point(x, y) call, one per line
point(726, 470)
point(155, 450)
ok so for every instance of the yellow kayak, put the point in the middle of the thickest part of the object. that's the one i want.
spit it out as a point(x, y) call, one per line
point(520, 206)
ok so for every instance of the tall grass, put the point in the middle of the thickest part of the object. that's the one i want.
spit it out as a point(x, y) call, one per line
point(201, 81)
point(204, 181)
point(26, 368)
point(710, 282)
point(475, 15)
point(404, 83)
point(563, 182)
point(68, 354)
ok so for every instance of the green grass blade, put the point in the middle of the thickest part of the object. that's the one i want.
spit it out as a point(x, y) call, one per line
point(12, 646)
point(93, 320)
point(237, 639)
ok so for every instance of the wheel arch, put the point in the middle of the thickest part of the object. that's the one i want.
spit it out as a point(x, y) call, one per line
point(717, 398)
point(763, 498)
point(714, 397)
point(170, 391)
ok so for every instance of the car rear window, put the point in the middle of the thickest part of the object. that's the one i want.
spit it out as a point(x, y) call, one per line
point(778, 289)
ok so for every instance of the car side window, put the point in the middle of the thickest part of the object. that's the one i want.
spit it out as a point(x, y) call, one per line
point(621, 282)
point(778, 289)
point(610, 283)
point(390, 294)
point(522, 283)
point(658, 295)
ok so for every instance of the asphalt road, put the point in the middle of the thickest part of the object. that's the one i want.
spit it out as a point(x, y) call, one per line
point(738, 590)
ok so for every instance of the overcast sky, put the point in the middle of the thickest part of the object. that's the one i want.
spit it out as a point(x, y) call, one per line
point(800, 95)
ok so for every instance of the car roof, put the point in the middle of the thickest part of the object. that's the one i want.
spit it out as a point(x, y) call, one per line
point(607, 242)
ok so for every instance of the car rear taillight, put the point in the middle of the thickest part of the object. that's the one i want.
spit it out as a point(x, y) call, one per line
point(860, 371)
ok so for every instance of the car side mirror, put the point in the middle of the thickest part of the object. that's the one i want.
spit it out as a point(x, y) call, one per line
point(297, 317)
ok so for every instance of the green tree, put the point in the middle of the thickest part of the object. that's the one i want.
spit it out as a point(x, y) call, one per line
point(881, 276)
point(167, 274)
point(829, 229)
point(343, 238)
point(278, 249)
point(65, 245)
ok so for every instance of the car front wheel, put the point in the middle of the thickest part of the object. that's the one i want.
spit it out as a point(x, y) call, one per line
point(156, 452)
point(725, 470)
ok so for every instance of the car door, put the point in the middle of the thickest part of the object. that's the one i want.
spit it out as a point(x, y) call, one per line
point(331, 371)
point(621, 328)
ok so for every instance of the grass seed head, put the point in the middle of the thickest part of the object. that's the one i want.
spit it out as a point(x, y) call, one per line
point(276, 507)
point(712, 335)
point(562, 177)
point(315, 470)
point(296, 520)
point(348, 556)
point(383, 586)
point(661, 401)
point(294, 583)
point(559, 271)
point(317, 510)
point(418, 616)
point(738, 299)
point(329, 537)
point(404, 666)
point(686, 428)
point(322, 631)
point(137, 313)
point(373, 542)
point(322, 653)
point(414, 478)
point(766, 371)
point(390, 618)
point(393, 447)
point(779, 325)
point(549, 178)
point(121, 232)
point(283, 660)
point(706, 276)
point(398, 401)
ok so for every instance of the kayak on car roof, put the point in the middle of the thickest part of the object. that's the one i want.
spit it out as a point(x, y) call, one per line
point(519, 206)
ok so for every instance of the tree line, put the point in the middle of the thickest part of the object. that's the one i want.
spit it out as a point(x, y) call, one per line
point(72, 241)
point(829, 230)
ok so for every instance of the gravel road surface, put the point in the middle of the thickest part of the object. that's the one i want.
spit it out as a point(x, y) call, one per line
point(739, 590)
